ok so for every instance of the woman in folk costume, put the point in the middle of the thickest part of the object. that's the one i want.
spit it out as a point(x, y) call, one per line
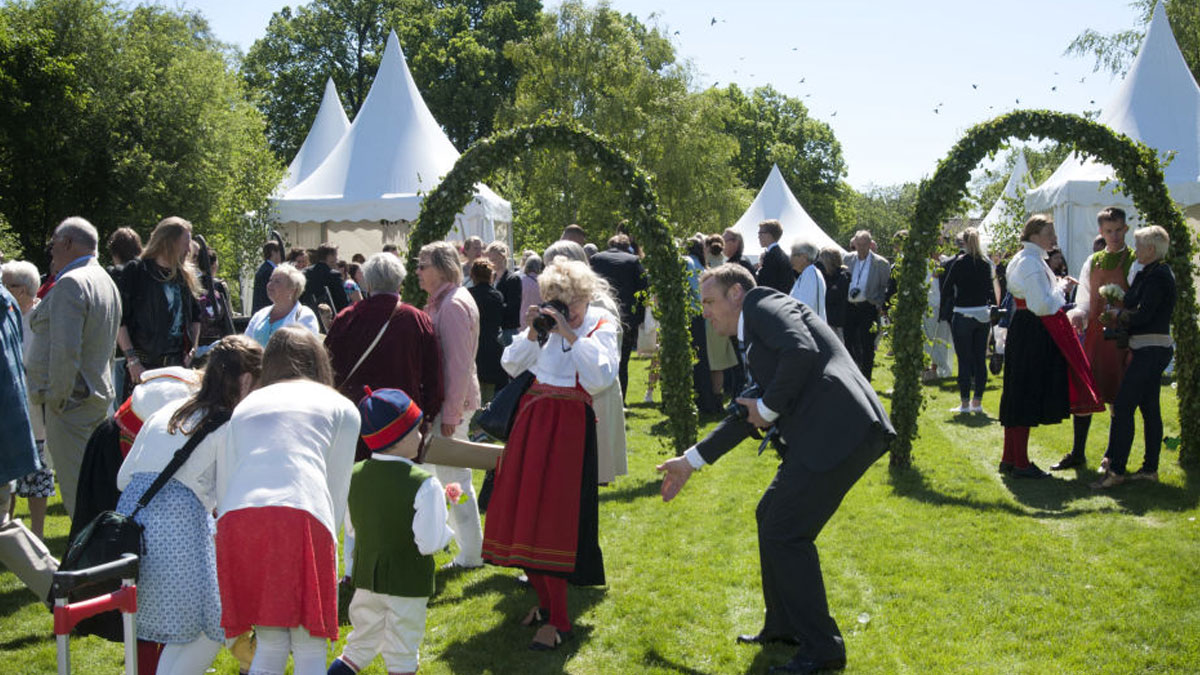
point(179, 605)
point(1115, 264)
point(1046, 375)
point(282, 483)
point(544, 511)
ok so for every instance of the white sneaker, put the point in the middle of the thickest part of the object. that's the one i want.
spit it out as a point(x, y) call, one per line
point(960, 409)
point(976, 408)
point(649, 397)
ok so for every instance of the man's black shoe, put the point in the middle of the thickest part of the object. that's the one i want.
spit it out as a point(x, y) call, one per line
point(1070, 461)
point(803, 664)
point(761, 639)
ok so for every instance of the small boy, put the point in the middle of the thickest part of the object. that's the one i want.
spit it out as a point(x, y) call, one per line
point(393, 573)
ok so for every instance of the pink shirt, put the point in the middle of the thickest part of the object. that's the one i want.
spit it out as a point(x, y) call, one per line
point(456, 325)
point(530, 295)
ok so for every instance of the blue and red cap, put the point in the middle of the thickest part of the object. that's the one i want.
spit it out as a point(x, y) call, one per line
point(388, 415)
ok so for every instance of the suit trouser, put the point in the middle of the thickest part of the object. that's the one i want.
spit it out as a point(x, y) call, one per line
point(791, 514)
point(860, 336)
point(67, 434)
point(22, 553)
point(628, 342)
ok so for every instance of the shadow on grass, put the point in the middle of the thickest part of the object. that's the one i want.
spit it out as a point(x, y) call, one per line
point(507, 641)
point(1051, 497)
point(630, 492)
point(652, 659)
point(771, 655)
point(22, 642)
point(16, 599)
point(971, 420)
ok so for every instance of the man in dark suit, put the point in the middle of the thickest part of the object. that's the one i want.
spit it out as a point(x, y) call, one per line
point(322, 283)
point(624, 272)
point(775, 269)
point(831, 427)
point(272, 256)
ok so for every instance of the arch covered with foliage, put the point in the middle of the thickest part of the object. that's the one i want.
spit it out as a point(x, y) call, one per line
point(664, 265)
point(1137, 168)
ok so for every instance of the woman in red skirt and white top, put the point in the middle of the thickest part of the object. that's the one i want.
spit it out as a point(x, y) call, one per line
point(282, 483)
point(543, 514)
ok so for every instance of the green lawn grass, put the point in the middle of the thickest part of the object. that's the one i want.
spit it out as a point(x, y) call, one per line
point(945, 568)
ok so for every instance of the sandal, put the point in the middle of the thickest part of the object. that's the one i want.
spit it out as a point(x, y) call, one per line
point(536, 617)
point(545, 631)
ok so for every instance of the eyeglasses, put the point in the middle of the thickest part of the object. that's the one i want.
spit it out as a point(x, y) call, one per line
point(424, 266)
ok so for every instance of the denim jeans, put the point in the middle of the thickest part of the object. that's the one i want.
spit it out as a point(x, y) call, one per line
point(1139, 389)
point(970, 346)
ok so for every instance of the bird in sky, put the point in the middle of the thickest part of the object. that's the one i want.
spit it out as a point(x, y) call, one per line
point(974, 86)
point(713, 22)
point(803, 79)
point(834, 114)
point(1054, 88)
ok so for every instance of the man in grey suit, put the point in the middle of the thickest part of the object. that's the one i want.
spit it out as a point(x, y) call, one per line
point(74, 337)
point(869, 274)
point(831, 428)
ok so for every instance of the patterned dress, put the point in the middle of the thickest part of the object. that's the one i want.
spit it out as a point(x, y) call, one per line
point(178, 596)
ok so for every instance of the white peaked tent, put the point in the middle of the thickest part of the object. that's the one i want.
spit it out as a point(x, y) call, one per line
point(368, 190)
point(1002, 211)
point(775, 200)
point(328, 128)
point(1158, 104)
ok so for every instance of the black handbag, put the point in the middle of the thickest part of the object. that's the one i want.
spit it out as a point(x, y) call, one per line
point(496, 418)
point(111, 534)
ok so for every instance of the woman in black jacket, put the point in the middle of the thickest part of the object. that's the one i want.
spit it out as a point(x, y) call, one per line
point(1146, 319)
point(837, 288)
point(968, 288)
point(160, 318)
point(491, 318)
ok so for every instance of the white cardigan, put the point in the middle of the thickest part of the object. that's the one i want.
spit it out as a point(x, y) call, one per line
point(290, 444)
point(154, 448)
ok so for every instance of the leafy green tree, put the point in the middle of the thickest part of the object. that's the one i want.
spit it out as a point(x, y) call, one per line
point(772, 128)
point(455, 50)
point(125, 117)
point(883, 211)
point(1114, 52)
point(619, 78)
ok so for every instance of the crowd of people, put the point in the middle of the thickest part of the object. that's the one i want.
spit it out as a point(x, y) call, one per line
point(321, 405)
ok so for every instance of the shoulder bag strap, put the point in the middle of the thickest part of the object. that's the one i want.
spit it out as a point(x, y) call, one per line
point(181, 456)
point(371, 347)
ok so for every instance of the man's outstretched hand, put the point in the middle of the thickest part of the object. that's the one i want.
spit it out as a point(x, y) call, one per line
point(676, 472)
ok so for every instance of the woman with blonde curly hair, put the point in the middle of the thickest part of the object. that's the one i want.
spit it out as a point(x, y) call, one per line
point(543, 514)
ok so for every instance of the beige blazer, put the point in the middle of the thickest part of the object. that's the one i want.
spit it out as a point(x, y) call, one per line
point(74, 337)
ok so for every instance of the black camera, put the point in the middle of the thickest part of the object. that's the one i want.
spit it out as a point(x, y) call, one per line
point(544, 323)
point(855, 292)
point(997, 314)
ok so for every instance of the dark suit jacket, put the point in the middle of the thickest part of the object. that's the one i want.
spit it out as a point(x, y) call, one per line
point(509, 286)
point(826, 408)
point(776, 270)
point(261, 276)
point(624, 272)
point(317, 279)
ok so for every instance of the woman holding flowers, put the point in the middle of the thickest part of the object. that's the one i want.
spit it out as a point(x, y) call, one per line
point(1146, 318)
point(543, 514)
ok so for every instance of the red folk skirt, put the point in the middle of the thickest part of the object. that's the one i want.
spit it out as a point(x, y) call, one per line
point(543, 511)
point(276, 566)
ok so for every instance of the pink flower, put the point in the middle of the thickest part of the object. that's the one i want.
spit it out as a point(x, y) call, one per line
point(454, 494)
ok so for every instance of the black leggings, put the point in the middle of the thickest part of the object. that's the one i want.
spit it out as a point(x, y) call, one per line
point(970, 347)
point(1139, 389)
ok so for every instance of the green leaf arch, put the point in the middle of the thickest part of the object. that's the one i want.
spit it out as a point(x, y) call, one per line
point(1137, 168)
point(664, 265)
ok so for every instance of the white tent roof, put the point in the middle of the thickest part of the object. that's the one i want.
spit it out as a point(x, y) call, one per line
point(775, 200)
point(391, 156)
point(1001, 211)
point(327, 129)
point(1158, 104)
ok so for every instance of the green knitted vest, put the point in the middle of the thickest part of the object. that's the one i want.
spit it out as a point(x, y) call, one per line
point(386, 559)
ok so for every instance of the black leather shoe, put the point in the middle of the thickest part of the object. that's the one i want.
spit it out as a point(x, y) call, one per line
point(803, 664)
point(1070, 461)
point(1006, 467)
point(763, 639)
point(1031, 471)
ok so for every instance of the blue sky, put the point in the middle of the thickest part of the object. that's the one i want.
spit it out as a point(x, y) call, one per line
point(875, 70)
